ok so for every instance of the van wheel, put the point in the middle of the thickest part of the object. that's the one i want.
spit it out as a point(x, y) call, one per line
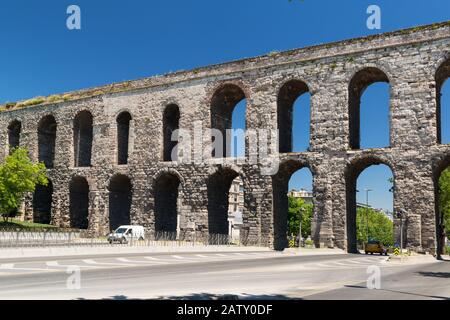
point(367, 252)
point(371, 253)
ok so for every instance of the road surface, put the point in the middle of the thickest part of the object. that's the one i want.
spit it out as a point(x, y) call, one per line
point(230, 275)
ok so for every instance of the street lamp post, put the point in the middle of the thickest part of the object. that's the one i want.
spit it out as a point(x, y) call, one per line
point(300, 215)
point(367, 213)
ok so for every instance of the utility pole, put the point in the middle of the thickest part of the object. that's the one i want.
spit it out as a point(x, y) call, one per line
point(367, 213)
point(300, 227)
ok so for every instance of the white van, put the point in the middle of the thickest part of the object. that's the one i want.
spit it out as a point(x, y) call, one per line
point(123, 234)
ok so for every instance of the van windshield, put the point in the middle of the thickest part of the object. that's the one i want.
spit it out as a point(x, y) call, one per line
point(121, 230)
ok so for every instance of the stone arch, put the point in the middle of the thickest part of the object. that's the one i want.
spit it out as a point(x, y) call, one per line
point(166, 191)
point(171, 122)
point(223, 102)
point(358, 84)
point(14, 130)
point(280, 183)
point(352, 172)
point(82, 138)
point(42, 203)
point(442, 74)
point(120, 197)
point(218, 187)
point(289, 92)
point(123, 136)
point(46, 140)
point(79, 202)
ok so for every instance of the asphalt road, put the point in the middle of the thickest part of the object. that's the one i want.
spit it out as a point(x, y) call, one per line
point(230, 275)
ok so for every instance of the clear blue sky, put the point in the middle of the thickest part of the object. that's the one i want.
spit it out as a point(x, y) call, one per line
point(122, 40)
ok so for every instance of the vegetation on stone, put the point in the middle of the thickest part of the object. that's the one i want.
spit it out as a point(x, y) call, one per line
point(444, 199)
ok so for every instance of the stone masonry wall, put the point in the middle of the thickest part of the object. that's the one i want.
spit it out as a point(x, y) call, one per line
point(409, 59)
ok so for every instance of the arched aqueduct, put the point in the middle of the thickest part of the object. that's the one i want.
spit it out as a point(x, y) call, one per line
point(108, 151)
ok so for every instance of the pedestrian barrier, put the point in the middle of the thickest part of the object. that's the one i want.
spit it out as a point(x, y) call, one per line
point(16, 238)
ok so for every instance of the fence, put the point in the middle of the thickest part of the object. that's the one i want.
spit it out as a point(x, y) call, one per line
point(18, 238)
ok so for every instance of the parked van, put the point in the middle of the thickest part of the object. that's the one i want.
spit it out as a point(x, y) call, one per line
point(124, 234)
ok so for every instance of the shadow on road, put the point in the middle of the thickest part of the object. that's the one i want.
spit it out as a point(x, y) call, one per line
point(244, 296)
point(210, 296)
point(434, 274)
point(400, 292)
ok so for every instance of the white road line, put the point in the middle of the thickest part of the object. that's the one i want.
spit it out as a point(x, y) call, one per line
point(166, 261)
point(10, 266)
point(152, 258)
point(150, 263)
point(184, 259)
point(90, 261)
point(221, 255)
point(357, 261)
point(56, 264)
point(201, 256)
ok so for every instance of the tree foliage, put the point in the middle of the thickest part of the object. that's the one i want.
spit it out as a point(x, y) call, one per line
point(297, 205)
point(444, 199)
point(381, 228)
point(18, 176)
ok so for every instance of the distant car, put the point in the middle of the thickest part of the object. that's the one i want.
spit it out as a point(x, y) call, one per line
point(374, 246)
point(124, 234)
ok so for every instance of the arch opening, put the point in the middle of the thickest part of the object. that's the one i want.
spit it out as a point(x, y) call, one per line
point(171, 122)
point(120, 196)
point(218, 188)
point(293, 112)
point(370, 194)
point(46, 140)
point(166, 203)
point(14, 130)
point(123, 136)
point(82, 137)
point(369, 103)
point(443, 103)
point(292, 198)
point(79, 203)
point(42, 203)
point(223, 104)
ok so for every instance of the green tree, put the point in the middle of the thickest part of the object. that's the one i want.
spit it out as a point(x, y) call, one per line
point(444, 199)
point(297, 205)
point(18, 176)
point(380, 226)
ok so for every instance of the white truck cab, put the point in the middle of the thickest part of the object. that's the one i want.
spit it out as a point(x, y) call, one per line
point(125, 233)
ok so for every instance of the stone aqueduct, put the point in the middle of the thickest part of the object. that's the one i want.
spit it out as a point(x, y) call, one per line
point(108, 155)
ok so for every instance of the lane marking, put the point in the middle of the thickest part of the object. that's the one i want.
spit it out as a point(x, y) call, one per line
point(90, 261)
point(150, 263)
point(55, 264)
point(11, 266)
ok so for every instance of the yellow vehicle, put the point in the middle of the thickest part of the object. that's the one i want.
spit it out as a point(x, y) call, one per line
point(374, 246)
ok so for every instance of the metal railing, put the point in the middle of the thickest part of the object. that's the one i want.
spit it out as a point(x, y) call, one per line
point(19, 238)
